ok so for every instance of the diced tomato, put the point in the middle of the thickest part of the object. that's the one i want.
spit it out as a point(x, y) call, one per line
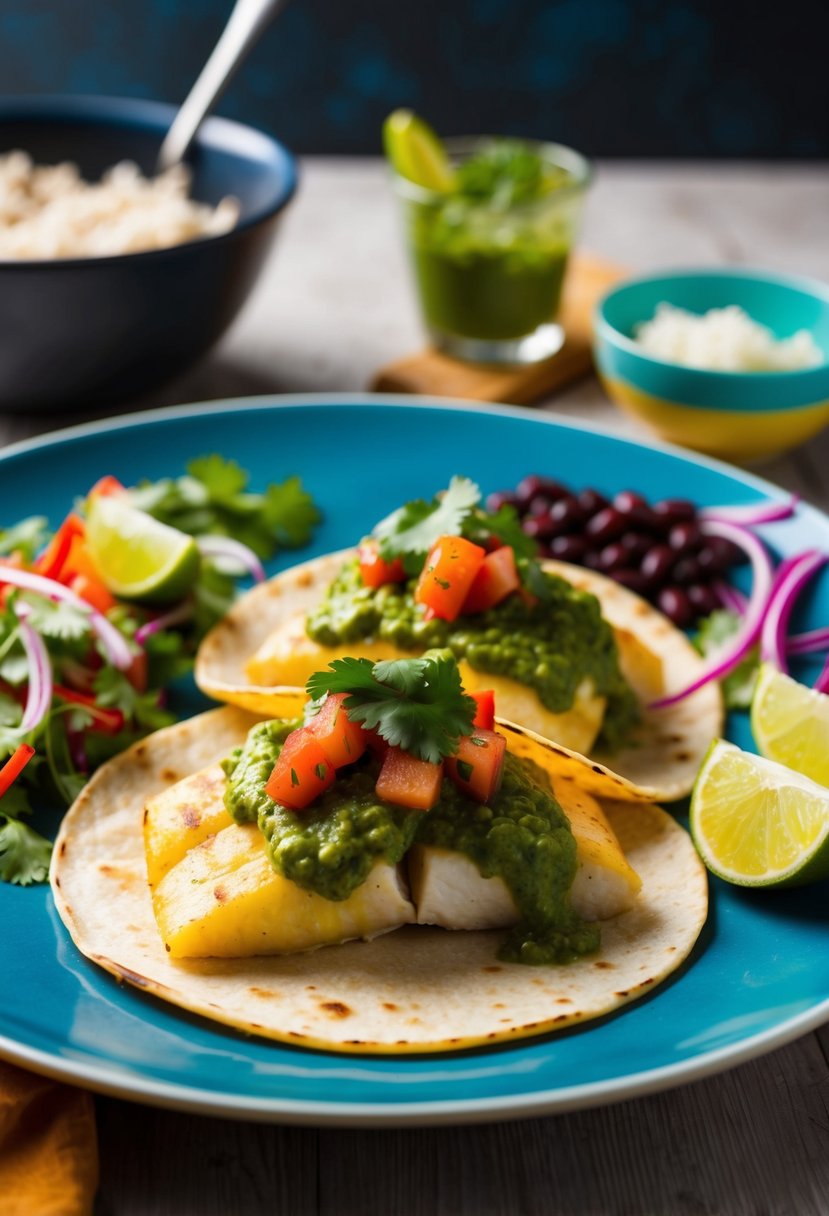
point(485, 713)
point(302, 772)
point(342, 740)
point(107, 486)
point(451, 566)
point(478, 764)
point(93, 591)
point(107, 719)
point(496, 579)
point(14, 766)
point(51, 561)
point(408, 781)
point(374, 571)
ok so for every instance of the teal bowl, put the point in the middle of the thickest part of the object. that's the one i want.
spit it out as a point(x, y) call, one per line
point(743, 416)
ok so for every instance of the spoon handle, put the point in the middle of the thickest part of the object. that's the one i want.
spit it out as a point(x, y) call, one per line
point(246, 22)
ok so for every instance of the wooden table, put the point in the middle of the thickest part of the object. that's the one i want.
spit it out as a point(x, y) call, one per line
point(333, 305)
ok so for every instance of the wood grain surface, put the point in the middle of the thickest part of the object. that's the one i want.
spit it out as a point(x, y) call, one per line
point(334, 305)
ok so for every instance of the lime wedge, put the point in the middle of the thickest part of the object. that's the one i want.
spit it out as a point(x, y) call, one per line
point(137, 557)
point(416, 152)
point(790, 723)
point(757, 823)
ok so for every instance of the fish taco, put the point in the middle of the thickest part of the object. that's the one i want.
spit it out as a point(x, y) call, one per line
point(384, 870)
point(571, 655)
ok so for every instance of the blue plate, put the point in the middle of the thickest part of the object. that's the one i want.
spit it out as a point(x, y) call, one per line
point(758, 978)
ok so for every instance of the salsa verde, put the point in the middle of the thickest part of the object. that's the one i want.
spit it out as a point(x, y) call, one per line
point(551, 647)
point(522, 837)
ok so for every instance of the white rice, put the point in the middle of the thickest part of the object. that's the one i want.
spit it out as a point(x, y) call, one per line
point(49, 211)
point(724, 339)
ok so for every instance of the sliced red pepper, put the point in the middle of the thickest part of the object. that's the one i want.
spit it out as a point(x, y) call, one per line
point(497, 578)
point(409, 781)
point(478, 764)
point(51, 561)
point(302, 772)
point(342, 740)
point(107, 486)
point(108, 719)
point(93, 591)
point(78, 561)
point(450, 569)
point(14, 766)
point(485, 713)
point(374, 570)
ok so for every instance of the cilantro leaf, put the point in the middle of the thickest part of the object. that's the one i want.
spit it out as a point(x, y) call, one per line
point(213, 498)
point(411, 530)
point(416, 704)
point(714, 632)
point(24, 854)
point(223, 479)
point(27, 537)
point(290, 512)
point(57, 618)
point(505, 524)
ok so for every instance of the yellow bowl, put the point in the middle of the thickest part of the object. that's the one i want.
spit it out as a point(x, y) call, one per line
point(742, 416)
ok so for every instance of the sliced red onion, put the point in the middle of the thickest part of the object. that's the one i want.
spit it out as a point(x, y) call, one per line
point(787, 588)
point(809, 642)
point(235, 552)
point(750, 516)
point(39, 689)
point(730, 597)
point(113, 642)
point(762, 581)
point(176, 616)
point(822, 682)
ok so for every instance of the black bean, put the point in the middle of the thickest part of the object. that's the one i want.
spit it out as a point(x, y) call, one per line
point(592, 501)
point(591, 560)
point(569, 548)
point(540, 527)
point(539, 505)
point(687, 571)
point(670, 511)
point(534, 484)
point(501, 498)
point(658, 563)
point(637, 544)
point(708, 561)
point(527, 489)
point(634, 580)
point(606, 526)
point(674, 602)
point(615, 557)
point(568, 514)
point(636, 510)
point(702, 599)
point(686, 537)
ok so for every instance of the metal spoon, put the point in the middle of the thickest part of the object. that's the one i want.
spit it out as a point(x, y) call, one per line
point(246, 22)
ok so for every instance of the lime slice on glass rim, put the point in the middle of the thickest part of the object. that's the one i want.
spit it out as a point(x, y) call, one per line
point(137, 557)
point(757, 823)
point(416, 152)
point(790, 723)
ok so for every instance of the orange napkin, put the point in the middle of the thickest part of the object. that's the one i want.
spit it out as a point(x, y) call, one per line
point(48, 1146)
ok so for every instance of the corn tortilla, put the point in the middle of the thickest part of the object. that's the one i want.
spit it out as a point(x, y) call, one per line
point(418, 989)
point(663, 756)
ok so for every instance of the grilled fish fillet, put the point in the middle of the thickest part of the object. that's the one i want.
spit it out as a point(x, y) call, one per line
point(289, 657)
point(449, 890)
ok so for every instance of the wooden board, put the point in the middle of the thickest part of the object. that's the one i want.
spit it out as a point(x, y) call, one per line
point(432, 373)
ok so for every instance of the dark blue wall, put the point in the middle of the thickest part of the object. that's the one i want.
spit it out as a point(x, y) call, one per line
point(613, 77)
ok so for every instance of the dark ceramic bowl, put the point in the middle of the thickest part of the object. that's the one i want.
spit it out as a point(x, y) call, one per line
point(98, 331)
